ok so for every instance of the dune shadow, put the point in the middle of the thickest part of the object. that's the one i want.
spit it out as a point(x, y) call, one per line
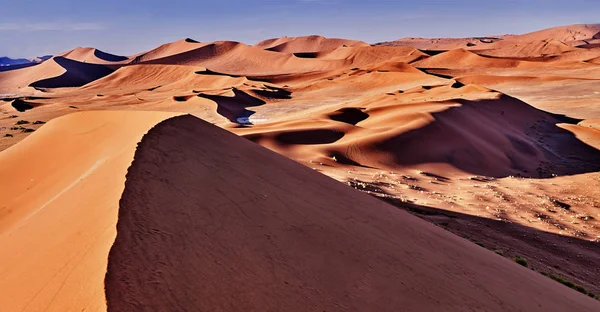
point(546, 252)
point(21, 105)
point(308, 137)
point(309, 55)
point(273, 93)
point(234, 108)
point(497, 138)
point(432, 52)
point(214, 73)
point(77, 74)
point(349, 115)
point(428, 71)
point(108, 57)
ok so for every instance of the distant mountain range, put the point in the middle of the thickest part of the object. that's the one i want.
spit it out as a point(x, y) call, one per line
point(21, 62)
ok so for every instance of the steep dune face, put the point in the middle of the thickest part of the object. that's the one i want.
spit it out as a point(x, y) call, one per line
point(285, 238)
point(76, 74)
point(58, 213)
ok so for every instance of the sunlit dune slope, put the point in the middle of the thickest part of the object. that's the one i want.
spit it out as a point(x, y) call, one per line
point(58, 209)
point(94, 56)
point(57, 72)
point(307, 44)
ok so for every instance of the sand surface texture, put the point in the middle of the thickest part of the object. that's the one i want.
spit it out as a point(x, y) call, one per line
point(495, 140)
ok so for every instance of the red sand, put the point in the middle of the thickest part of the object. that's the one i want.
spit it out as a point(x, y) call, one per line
point(282, 237)
point(496, 140)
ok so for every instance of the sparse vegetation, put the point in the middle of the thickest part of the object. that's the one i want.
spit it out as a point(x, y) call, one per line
point(13, 116)
point(8, 135)
point(39, 122)
point(521, 261)
point(571, 285)
point(22, 122)
point(27, 130)
point(498, 251)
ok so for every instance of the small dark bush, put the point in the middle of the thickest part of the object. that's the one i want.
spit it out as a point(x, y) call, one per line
point(39, 122)
point(571, 285)
point(521, 261)
point(8, 135)
point(22, 122)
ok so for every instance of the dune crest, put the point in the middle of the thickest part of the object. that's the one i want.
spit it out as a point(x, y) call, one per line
point(323, 247)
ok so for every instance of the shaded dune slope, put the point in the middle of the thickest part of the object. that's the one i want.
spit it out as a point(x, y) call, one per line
point(93, 56)
point(470, 128)
point(234, 107)
point(76, 74)
point(56, 72)
point(211, 222)
point(496, 137)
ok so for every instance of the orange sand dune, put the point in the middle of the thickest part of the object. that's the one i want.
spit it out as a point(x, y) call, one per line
point(493, 135)
point(566, 34)
point(285, 238)
point(461, 58)
point(361, 56)
point(94, 56)
point(163, 77)
point(240, 59)
point(58, 213)
point(515, 47)
point(57, 72)
point(307, 44)
point(495, 139)
point(444, 43)
point(166, 50)
point(232, 58)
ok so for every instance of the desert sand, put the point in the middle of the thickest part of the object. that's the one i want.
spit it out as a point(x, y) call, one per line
point(122, 192)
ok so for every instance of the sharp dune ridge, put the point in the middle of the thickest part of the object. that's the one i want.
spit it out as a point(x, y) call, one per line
point(258, 248)
point(191, 176)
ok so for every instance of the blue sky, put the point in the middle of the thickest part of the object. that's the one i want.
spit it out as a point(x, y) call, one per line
point(37, 27)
